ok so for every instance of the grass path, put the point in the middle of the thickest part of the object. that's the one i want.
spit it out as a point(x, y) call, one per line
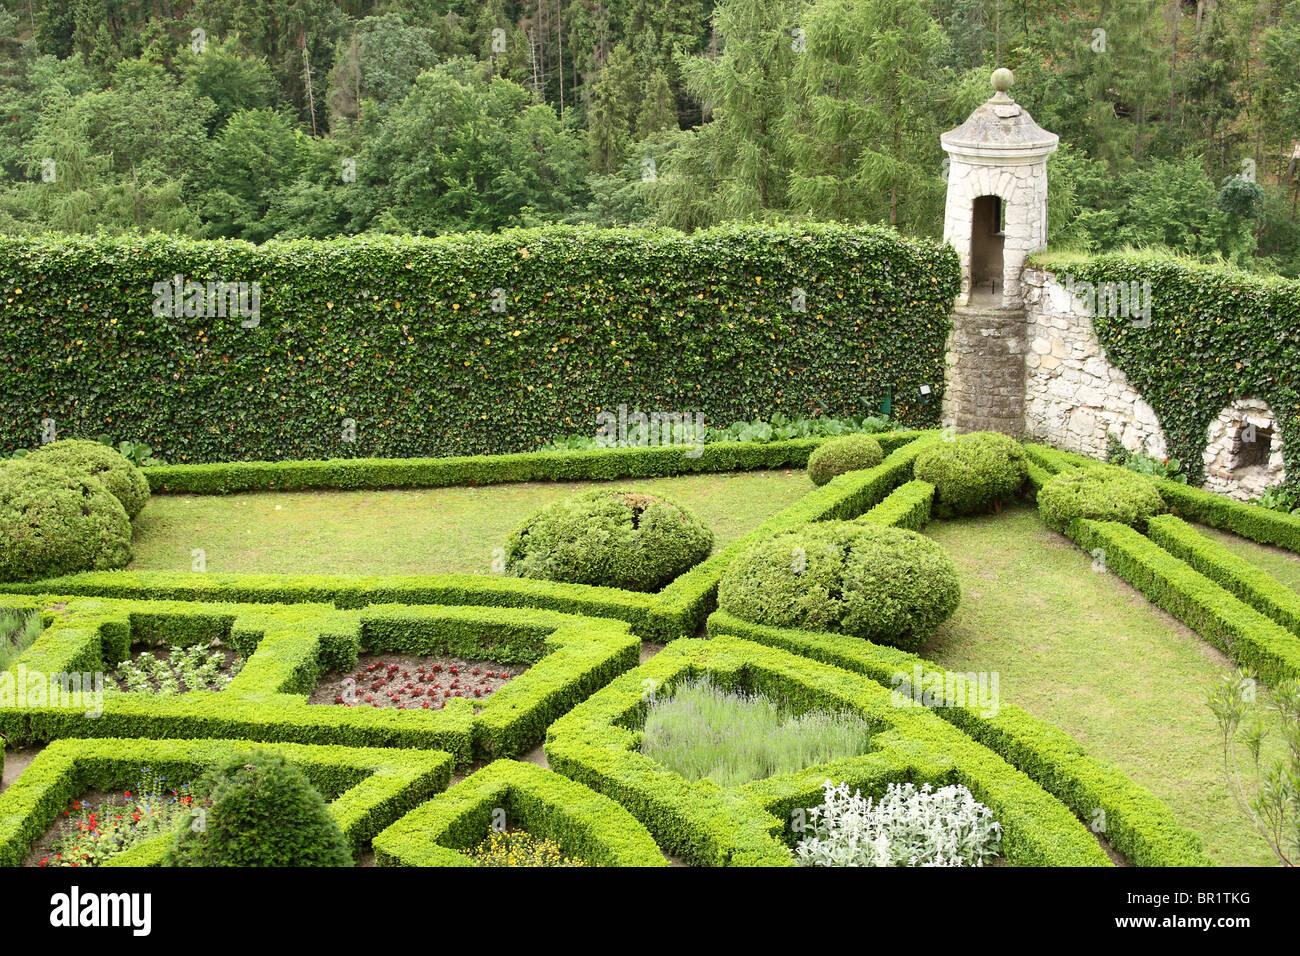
point(1088, 653)
point(425, 531)
point(1284, 565)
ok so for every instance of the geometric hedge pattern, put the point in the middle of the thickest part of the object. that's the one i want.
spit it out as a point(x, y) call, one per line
point(584, 693)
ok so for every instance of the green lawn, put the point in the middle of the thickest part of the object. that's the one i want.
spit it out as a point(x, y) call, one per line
point(1088, 653)
point(1282, 564)
point(428, 531)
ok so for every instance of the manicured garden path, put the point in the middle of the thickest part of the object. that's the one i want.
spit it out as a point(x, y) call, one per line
point(1282, 564)
point(1087, 652)
point(431, 531)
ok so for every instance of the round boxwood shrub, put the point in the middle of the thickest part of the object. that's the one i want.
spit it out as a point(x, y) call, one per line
point(972, 473)
point(1104, 493)
point(258, 810)
point(886, 585)
point(56, 522)
point(847, 453)
point(620, 539)
point(123, 480)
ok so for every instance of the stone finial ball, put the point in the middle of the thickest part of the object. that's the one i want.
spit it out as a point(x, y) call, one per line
point(1002, 79)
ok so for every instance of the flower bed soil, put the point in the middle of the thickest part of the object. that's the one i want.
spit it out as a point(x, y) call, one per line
point(410, 682)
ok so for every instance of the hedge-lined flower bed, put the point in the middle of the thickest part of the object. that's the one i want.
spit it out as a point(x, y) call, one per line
point(290, 647)
point(751, 825)
point(512, 794)
point(1136, 823)
point(371, 786)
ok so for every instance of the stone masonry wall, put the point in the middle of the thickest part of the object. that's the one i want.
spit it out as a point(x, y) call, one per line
point(1074, 397)
point(986, 371)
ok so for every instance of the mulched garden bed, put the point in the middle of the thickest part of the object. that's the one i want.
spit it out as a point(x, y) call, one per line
point(411, 682)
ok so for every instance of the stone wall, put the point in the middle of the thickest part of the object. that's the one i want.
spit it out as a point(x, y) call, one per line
point(1074, 398)
point(985, 387)
point(1244, 453)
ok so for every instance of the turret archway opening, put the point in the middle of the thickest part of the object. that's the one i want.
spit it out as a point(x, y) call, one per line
point(988, 232)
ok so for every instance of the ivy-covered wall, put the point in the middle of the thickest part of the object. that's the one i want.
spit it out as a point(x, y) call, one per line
point(1192, 339)
point(473, 343)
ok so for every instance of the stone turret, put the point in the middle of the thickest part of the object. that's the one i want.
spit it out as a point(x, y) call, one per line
point(996, 213)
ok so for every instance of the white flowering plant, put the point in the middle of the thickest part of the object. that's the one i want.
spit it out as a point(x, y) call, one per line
point(906, 827)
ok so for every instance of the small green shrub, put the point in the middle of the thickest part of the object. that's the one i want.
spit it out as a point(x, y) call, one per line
point(972, 473)
point(54, 522)
point(263, 811)
point(886, 585)
point(1104, 493)
point(114, 471)
point(849, 453)
point(612, 538)
point(704, 731)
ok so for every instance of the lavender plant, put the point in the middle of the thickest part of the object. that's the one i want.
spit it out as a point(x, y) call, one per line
point(704, 731)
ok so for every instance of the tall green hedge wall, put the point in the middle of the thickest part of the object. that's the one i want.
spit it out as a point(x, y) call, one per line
point(400, 335)
point(1216, 334)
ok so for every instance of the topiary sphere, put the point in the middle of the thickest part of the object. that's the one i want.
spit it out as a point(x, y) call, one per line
point(258, 810)
point(972, 473)
point(886, 585)
point(847, 453)
point(1103, 493)
point(619, 539)
point(124, 480)
point(55, 522)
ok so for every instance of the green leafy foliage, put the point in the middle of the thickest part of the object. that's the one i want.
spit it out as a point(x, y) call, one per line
point(609, 538)
point(886, 585)
point(778, 428)
point(90, 458)
point(1143, 463)
point(849, 453)
point(401, 336)
point(972, 473)
point(1101, 493)
point(1215, 334)
point(263, 812)
point(55, 522)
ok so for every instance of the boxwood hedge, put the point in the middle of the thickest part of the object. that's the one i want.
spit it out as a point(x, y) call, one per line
point(597, 744)
point(288, 649)
point(584, 823)
point(1248, 636)
point(401, 346)
point(368, 787)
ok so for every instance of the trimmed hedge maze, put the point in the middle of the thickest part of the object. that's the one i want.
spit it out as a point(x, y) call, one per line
point(1233, 605)
point(369, 787)
point(509, 793)
point(597, 744)
point(289, 648)
point(585, 688)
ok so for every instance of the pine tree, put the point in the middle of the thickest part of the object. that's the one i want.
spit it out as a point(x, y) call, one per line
point(864, 121)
